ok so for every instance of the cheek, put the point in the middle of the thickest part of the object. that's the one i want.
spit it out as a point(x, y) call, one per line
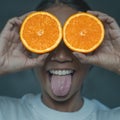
point(78, 79)
point(39, 73)
point(84, 72)
point(81, 73)
point(83, 68)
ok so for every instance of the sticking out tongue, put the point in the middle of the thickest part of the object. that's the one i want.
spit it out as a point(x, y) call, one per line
point(60, 85)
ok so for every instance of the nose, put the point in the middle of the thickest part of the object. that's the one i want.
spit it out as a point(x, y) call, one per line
point(62, 54)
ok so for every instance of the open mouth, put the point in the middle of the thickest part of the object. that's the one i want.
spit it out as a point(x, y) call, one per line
point(60, 81)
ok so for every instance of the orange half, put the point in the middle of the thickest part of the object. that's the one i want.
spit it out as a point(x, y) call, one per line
point(83, 32)
point(41, 32)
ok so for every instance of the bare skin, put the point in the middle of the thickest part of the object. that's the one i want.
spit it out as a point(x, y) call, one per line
point(62, 59)
point(108, 49)
point(108, 54)
point(14, 57)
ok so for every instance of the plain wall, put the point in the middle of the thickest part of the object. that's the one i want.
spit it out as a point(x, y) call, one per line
point(99, 84)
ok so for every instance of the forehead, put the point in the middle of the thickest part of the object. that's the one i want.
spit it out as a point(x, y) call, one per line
point(62, 12)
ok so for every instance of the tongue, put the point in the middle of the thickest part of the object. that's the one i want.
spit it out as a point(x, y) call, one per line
point(60, 85)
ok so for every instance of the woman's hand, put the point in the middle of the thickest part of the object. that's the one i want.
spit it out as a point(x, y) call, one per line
point(13, 56)
point(108, 54)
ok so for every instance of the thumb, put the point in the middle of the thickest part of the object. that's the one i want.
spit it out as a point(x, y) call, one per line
point(85, 58)
point(38, 61)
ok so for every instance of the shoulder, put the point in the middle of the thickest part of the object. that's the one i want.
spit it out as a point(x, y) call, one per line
point(95, 104)
point(112, 114)
point(103, 112)
point(13, 100)
point(15, 107)
point(6, 102)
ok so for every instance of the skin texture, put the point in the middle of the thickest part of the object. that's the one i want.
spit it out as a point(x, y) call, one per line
point(14, 57)
point(59, 59)
point(108, 54)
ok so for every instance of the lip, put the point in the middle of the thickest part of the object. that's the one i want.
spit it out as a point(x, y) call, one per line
point(63, 66)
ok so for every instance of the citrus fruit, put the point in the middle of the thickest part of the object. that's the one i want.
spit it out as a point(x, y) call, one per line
point(40, 32)
point(83, 32)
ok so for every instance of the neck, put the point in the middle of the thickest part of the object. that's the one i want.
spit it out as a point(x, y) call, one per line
point(70, 105)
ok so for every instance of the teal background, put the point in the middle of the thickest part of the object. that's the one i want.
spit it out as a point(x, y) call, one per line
point(99, 84)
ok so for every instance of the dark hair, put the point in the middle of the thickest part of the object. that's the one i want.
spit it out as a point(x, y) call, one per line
point(79, 5)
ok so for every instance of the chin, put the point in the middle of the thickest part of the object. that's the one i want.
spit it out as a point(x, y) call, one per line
point(60, 98)
point(71, 95)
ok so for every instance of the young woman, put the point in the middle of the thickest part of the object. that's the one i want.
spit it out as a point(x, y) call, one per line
point(54, 103)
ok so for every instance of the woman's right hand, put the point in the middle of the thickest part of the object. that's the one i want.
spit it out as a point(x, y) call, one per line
point(13, 56)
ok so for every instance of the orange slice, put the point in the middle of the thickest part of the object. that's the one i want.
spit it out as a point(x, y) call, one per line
point(83, 32)
point(41, 32)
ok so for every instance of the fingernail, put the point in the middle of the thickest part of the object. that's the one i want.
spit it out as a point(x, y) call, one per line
point(45, 55)
point(75, 53)
point(89, 11)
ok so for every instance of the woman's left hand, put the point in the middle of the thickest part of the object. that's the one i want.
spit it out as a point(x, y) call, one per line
point(108, 54)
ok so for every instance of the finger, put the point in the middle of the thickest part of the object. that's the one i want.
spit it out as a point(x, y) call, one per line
point(16, 20)
point(39, 61)
point(25, 15)
point(106, 18)
point(115, 34)
point(110, 21)
point(85, 58)
point(96, 13)
point(80, 56)
point(11, 23)
point(21, 47)
point(11, 29)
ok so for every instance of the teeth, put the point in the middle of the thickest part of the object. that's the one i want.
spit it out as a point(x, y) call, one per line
point(61, 72)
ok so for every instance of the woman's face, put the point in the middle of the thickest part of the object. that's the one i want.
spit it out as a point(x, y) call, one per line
point(62, 74)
